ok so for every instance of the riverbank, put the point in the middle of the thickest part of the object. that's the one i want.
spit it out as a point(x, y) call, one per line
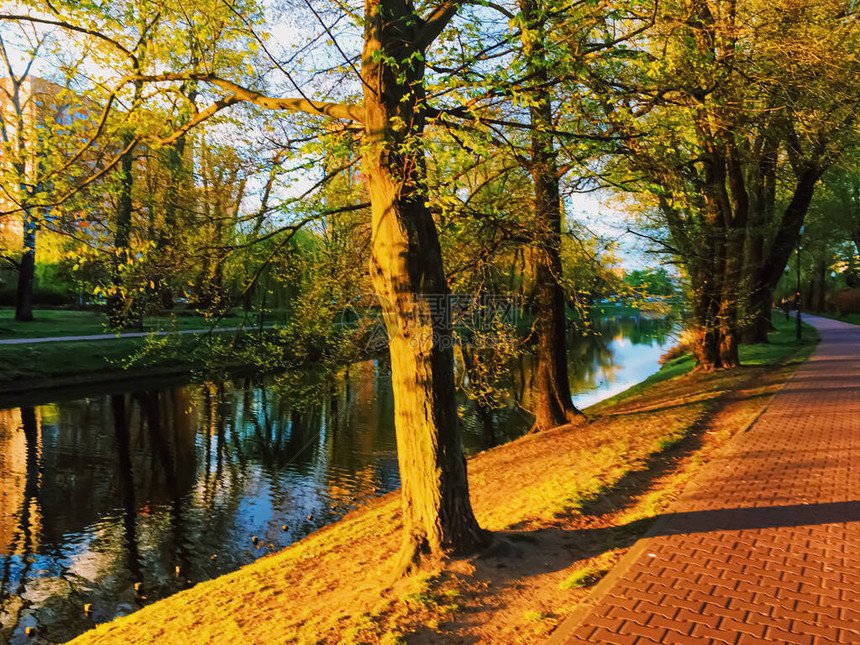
point(565, 504)
point(27, 368)
point(175, 345)
point(72, 322)
point(88, 361)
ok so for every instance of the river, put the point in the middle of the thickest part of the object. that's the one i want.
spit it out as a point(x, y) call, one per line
point(112, 497)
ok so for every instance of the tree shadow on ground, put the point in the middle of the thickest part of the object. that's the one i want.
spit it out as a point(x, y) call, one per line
point(522, 553)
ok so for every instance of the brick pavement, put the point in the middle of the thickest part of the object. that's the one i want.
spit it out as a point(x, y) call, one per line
point(764, 546)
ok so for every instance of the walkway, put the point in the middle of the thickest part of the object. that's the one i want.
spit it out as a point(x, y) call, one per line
point(134, 334)
point(764, 547)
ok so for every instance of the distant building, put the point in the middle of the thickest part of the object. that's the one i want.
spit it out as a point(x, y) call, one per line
point(37, 108)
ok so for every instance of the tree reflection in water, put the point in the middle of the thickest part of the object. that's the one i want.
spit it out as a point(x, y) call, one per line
point(104, 492)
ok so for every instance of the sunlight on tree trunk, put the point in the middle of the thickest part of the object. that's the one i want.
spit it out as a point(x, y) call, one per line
point(553, 405)
point(407, 273)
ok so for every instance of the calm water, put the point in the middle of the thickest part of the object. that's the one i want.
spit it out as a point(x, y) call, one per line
point(167, 486)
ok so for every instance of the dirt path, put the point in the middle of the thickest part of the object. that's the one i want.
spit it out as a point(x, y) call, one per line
point(764, 545)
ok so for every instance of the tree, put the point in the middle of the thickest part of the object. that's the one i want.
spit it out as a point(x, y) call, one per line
point(554, 405)
point(842, 197)
point(406, 264)
point(407, 272)
point(528, 111)
point(19, 116)
point(720, 101)
point(650, 282)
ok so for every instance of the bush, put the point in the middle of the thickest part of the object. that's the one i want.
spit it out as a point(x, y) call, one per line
point(846, 301)
point(683, 346)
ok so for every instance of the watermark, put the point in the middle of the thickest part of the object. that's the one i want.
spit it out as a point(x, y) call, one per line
point(448, 315)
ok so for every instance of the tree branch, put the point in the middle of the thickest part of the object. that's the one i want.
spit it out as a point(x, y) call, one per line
point(655, 240)
point(238, 93)
point(436, 22)
point(70, 27)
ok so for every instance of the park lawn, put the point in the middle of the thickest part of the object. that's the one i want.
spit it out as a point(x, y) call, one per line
point(45, 364)
point(64, 322)
point(565, 505)
point(63, 363)
point(28, 366)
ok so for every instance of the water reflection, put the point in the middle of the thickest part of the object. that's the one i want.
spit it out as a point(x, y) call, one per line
point(118, 500)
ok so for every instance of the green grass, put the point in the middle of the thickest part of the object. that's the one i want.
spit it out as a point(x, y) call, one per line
point(88, 360)
point(782, 344)
point(582, 578)
point(43, 361)
point(61, 322)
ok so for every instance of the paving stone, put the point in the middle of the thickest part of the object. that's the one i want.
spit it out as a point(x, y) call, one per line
point(764, 546)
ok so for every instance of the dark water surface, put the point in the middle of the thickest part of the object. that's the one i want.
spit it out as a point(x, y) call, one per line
point(166, 485)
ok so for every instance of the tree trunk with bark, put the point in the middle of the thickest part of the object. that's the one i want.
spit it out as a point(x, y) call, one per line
point(409, 280)
point(762, 202)
point(26, 271)
point(118, 304)
point(706, 306)
point(175, 162)
point(731, 294)
point(766, 269)
point(553, 404)
point(760, 304)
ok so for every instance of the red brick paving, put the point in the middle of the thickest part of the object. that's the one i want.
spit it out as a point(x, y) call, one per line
point(764, 547)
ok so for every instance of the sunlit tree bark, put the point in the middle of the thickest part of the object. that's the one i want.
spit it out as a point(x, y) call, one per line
point(407, 273)
point(553, 404)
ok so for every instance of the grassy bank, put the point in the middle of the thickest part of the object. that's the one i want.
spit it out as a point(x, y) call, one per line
point(24, 367)
point(27, 366)
point(65, 322)
point(565, 505)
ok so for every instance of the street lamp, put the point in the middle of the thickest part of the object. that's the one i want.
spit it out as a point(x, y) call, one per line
point(798, 329)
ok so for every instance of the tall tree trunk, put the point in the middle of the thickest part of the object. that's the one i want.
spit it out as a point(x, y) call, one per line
point(760, 304)
point(760, 295)
point(706, 337)
point(26, 271)
point(118, 304)
point(765, 274)
point(407, 273)
point(730, 298)
point(553, 405)
point(26, 172)
point(762, 203)
point(175, 162)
